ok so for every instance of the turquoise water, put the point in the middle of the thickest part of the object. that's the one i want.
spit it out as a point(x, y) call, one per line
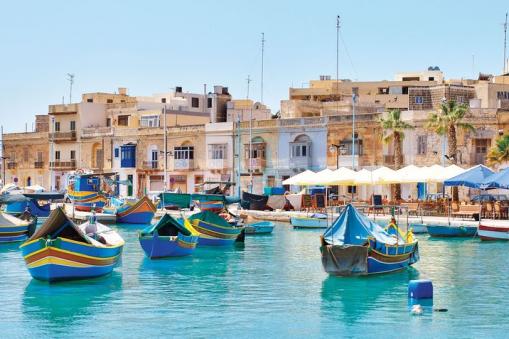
point(273, 286)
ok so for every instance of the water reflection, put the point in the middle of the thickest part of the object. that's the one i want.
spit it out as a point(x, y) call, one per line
point(68, 302)
point(351, 299)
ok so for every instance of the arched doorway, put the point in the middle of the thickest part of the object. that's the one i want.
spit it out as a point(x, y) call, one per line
point(29, 181)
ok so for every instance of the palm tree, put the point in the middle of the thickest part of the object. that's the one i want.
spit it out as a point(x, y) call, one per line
point(499, 153)
point(393, 130)
point(446, 122)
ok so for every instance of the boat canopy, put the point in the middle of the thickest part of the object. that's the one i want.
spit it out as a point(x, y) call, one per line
point(59, 225)
point(210, 218)
point(353, 228)
point(473, 177)
point(169, 226)
point(45, 195)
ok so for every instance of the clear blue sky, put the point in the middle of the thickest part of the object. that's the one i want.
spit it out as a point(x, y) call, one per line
point(152, 46)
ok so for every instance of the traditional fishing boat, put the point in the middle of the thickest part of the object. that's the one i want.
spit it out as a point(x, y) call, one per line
point(214, 230)
point(493, 230)
point(213, 206)
point(451, 231)
point(315, 220)
point(355, 245)
point(252, 201)
point(262, 227)
point(61, 250)
point(84, 191)
point(14, 229)
point(168, 238)
point(140, 212)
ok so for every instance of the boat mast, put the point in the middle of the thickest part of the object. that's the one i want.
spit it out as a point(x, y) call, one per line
point(250, 138)
point(263, 49)
point(165, 151)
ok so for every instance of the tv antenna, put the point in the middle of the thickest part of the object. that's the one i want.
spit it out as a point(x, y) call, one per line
point(70, 78)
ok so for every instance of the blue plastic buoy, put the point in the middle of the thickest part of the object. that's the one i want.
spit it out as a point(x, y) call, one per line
point(420, 289)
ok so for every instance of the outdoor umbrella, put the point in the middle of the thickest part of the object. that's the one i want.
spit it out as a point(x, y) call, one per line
point(341, 176)
point(473, 177)
point(295, 179)
point(497, 180)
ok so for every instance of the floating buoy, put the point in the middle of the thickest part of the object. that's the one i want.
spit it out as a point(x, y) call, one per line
point(420, 289)
point(416, 310)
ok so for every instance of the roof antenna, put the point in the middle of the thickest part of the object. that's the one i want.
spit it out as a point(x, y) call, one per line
point(505, 44)
point(70, 78)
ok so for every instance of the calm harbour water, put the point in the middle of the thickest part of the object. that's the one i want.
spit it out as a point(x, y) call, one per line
point(272, 287)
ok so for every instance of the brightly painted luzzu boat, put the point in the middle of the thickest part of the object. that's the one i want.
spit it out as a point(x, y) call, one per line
point(84, 191)
point(354, 245)
point(140, 212)
point(168, 238)
point(61, 250)
point(214, 230)
point(13, 229)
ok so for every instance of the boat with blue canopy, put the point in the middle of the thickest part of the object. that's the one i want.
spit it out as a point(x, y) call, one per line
point(215, 230)
point(355, 245)
point(17, 204)
point(168, 238)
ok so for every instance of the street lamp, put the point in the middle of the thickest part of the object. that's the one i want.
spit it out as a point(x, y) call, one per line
point(339, 149)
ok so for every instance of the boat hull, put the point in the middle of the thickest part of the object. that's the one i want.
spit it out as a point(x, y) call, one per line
point(363, 260)
point(419, 228)
point(162, 247)
point(215, 235)
point(17, 208)
point(451, 231)
point(16, 233)
point(213, 206)
point(86, 200)
point(65, 259)
point(140, 213)
point(493, 232)
point(260, 228)
point(299, 222)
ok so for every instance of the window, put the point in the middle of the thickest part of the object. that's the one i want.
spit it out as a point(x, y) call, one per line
point(482, 145)
point(271, 181)
point(123, 120)
point(39, 156)
point(73, 155)
point(422, 143)
point(503, 95)
point(195, 102)
point(383, 90)
point(352, 189)
point(209, 102)
point(109, 101)
point(57, 126)
point(183, 152)
point(217, 151)
point(431, 78)
point(460, 99)
point(128, 156)
point(299, 150)
point(90, 100)
point(418, 100)
point(163, 100)
point(347, 146)
point(108, 122)
point(57, 155)
point(149, 121)
point(25, 154)
point(72, 126)
point(116, 152)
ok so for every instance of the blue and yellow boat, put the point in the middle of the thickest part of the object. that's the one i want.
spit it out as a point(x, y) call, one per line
point(168, 238)
point(214, 230)
point(13, 229)
point(354, 245)
point(17, 204)
point(84, 191)
point(140, 212)
point(61, 250)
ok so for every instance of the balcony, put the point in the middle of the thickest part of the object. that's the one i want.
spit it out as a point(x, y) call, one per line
point(255, 164)
point(217, 164)
point(300, 162)
point(93, 132)
point(63, 136)
point(150, 165)
point(183, 164)
point(63, 165)
point(63, 109)
point(11, 165)
point(38, 164)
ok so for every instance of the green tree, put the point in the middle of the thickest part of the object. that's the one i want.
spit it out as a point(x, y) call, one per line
point(393, 130)
point(499, 153)
point(446, 122)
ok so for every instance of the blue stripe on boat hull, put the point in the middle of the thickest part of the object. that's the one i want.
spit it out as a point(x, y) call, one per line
point(53, 272)
point(16, 238)
point(202, 241)
point(451, 231)
point(376, 267)
point(161, 247)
